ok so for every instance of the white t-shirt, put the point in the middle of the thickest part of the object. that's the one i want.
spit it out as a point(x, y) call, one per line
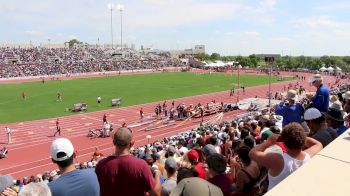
point(98, 98)
point(7, 130)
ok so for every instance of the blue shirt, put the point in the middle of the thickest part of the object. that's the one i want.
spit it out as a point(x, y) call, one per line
point(321, 100)
point(341, 129)
point(77, 182)
point(290, 113)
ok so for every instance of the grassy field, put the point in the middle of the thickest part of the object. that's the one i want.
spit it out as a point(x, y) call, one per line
point(133, 89)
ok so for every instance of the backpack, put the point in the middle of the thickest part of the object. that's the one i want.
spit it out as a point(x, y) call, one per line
point(257, 186)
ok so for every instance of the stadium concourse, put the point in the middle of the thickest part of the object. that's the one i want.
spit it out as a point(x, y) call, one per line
point(30, 150)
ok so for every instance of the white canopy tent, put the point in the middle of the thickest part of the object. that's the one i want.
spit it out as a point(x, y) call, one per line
point(323, 69)
point(218, 64)
point(330, 69)
point(338, 69)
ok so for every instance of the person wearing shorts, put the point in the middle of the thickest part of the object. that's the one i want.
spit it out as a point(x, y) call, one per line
point(58, 128)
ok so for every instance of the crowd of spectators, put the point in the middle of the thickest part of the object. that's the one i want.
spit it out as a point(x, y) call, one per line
point(247, 155)
point(37, 61)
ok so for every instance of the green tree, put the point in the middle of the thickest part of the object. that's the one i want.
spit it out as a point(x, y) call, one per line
point(215, 56)
point(73, 42)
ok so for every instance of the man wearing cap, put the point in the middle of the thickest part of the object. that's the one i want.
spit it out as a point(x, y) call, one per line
point(170, 183)
point(318, 127)
point(346, 100)
point(291, 111)
point(193, 157)
point(335, 120)
point(321, 99)
point(6, 183)
point(124, 174)
point(72, 181)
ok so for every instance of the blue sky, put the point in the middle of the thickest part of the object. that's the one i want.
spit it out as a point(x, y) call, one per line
point(229, 27)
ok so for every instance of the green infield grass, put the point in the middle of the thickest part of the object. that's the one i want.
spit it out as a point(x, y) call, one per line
point(133, 89)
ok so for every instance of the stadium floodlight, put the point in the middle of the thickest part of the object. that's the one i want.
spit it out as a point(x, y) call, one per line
point(111, 7)
point(121, 9)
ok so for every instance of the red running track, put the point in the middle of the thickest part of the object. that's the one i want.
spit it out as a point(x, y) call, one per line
point(29, 152)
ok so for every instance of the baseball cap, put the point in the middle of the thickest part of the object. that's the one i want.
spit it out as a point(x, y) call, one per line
point(292, 95)
point(5, 181)
point(171, 150)
point(122, 137)
point(336, 105)
point(195, 186)
point(209, 149)
point(61, 145)
point(193, 155)
point(312, 113)
point(316, 77)
point(266, 134)
point(170, 163)
point(335, 114)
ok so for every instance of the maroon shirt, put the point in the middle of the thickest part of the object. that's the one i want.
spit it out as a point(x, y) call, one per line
point(124, 175)
point(223, 183)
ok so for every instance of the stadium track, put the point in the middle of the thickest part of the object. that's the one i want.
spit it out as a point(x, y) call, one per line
point(29, 152)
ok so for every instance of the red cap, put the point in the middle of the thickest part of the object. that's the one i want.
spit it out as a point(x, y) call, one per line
point(192, 155)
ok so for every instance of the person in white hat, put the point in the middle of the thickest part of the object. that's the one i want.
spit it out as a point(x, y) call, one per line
point(291, 111)
point(346, 101)
point(321, 99)
point(62, 154)
point(318, 127)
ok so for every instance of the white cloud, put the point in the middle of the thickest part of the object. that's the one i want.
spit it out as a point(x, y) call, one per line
point(319, 22)
point(34, 33)
point(73, 37)
point(174, 13)
point(267, 4)
point(280, 39)
point(252, 33)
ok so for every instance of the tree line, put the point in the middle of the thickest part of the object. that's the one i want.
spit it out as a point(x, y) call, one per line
point(289, 62)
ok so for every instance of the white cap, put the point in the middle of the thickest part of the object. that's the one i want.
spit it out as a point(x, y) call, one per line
point(336, 105)
point(311, 114)
point(316, 77)
point(61, 145)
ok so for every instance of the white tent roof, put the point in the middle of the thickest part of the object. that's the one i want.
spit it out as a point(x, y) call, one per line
point(323, 69)
point(330, 69)
point(216, 64)
point(338, 68)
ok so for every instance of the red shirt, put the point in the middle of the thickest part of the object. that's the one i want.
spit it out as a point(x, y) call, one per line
point(124, 175)
point(201, 171)
point(281, 145)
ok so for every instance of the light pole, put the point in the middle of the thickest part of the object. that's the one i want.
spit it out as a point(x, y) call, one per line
point(111, 7)
point(237, 65)
point(49, 39)
point(269, 61)
point(121, 9)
